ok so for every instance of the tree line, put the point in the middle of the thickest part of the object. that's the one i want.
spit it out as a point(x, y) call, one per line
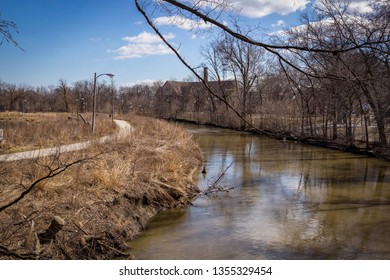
point(77, 97)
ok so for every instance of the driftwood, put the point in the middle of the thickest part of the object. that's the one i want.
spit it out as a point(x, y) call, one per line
point(215, 187)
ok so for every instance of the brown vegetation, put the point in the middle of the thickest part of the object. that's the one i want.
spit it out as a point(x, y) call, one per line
point(41, 130)
point(104, 195)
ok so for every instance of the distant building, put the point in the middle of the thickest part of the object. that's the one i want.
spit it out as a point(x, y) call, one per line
point(193, 101)
point(178, 90)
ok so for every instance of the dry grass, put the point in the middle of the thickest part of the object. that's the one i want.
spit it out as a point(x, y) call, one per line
point(105, 201)
point(40, 130)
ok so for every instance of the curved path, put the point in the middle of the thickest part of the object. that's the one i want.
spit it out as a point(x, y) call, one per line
point(124, 129)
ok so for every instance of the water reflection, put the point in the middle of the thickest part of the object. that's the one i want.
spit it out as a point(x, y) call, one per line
point(290, 201)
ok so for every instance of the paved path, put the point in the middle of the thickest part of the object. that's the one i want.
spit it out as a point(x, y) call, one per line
point(124, 129)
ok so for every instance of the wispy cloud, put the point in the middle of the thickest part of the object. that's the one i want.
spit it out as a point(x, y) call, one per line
point(279, 23)
point(182, 22)
point(359, 6)
point(148, 82)
point(262, 8)
point(146, 38)
point(97, 40)
point(141, 45)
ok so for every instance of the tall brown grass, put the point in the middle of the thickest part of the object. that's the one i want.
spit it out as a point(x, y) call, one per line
point(40, 130)
point(105, 200)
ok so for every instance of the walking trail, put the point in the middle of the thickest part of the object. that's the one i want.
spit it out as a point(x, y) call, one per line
point(124, 129)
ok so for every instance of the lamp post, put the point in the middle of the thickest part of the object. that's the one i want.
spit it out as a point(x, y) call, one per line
point(24, 109)
point(112, 101)
point(94, 98)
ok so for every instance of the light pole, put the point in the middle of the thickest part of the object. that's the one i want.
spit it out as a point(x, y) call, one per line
point(24, 106)
point(112, 101)
point(94, 98)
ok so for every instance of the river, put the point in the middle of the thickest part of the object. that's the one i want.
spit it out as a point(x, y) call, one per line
point(289, 201)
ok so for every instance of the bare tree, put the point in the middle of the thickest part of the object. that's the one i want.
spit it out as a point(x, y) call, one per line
point(14, 96)
point(135, 98)
point(64, 92)
point(229, 56)
point(83, 91)
point(361, 71)
point(212, 13)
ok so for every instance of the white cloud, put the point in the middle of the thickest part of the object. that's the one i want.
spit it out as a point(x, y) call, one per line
point(181, 22)
point(146, 38)
point(254, 8)
point(279, 23)
point(98, 39)
point(141, 50)
point(144, 44)
point(327, 24)
point(148, 82)
point(261, 8)
point(361, 6)
point(358, 6)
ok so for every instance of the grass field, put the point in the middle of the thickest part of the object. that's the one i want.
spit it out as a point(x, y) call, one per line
point(28, 131)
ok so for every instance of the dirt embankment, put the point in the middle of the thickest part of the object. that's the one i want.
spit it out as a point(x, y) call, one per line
point(101, 199)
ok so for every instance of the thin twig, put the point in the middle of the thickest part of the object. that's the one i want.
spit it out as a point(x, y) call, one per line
point(52, 173)
point(182, 60)
point(214, 186)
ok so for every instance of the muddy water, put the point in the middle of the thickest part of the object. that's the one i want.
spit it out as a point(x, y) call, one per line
point(290, 201)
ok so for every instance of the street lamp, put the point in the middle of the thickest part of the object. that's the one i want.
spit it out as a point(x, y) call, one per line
point(112, 101)
point(94, 97)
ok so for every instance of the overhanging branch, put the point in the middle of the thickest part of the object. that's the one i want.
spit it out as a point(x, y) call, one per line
point(192, 69)
point(268, 47)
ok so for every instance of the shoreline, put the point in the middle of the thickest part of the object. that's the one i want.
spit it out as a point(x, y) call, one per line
point(376, 152)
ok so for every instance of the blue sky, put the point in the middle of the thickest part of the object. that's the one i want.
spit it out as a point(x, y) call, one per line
point(72, 39)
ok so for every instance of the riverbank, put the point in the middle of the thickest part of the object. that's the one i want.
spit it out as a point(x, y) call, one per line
point(98, 198)
point(374, 150)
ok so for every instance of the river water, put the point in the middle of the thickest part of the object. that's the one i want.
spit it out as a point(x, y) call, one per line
point(289, 201)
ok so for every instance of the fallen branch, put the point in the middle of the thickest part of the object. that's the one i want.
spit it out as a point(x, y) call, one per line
point(52, 173)
point(7, 252)
point(214, 187)
point(87, 238)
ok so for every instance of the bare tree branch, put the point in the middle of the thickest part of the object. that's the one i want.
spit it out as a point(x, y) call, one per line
point(268, 47)
point(192, 69)
point(5, 31)
point(7, 252)
point(52, 173)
